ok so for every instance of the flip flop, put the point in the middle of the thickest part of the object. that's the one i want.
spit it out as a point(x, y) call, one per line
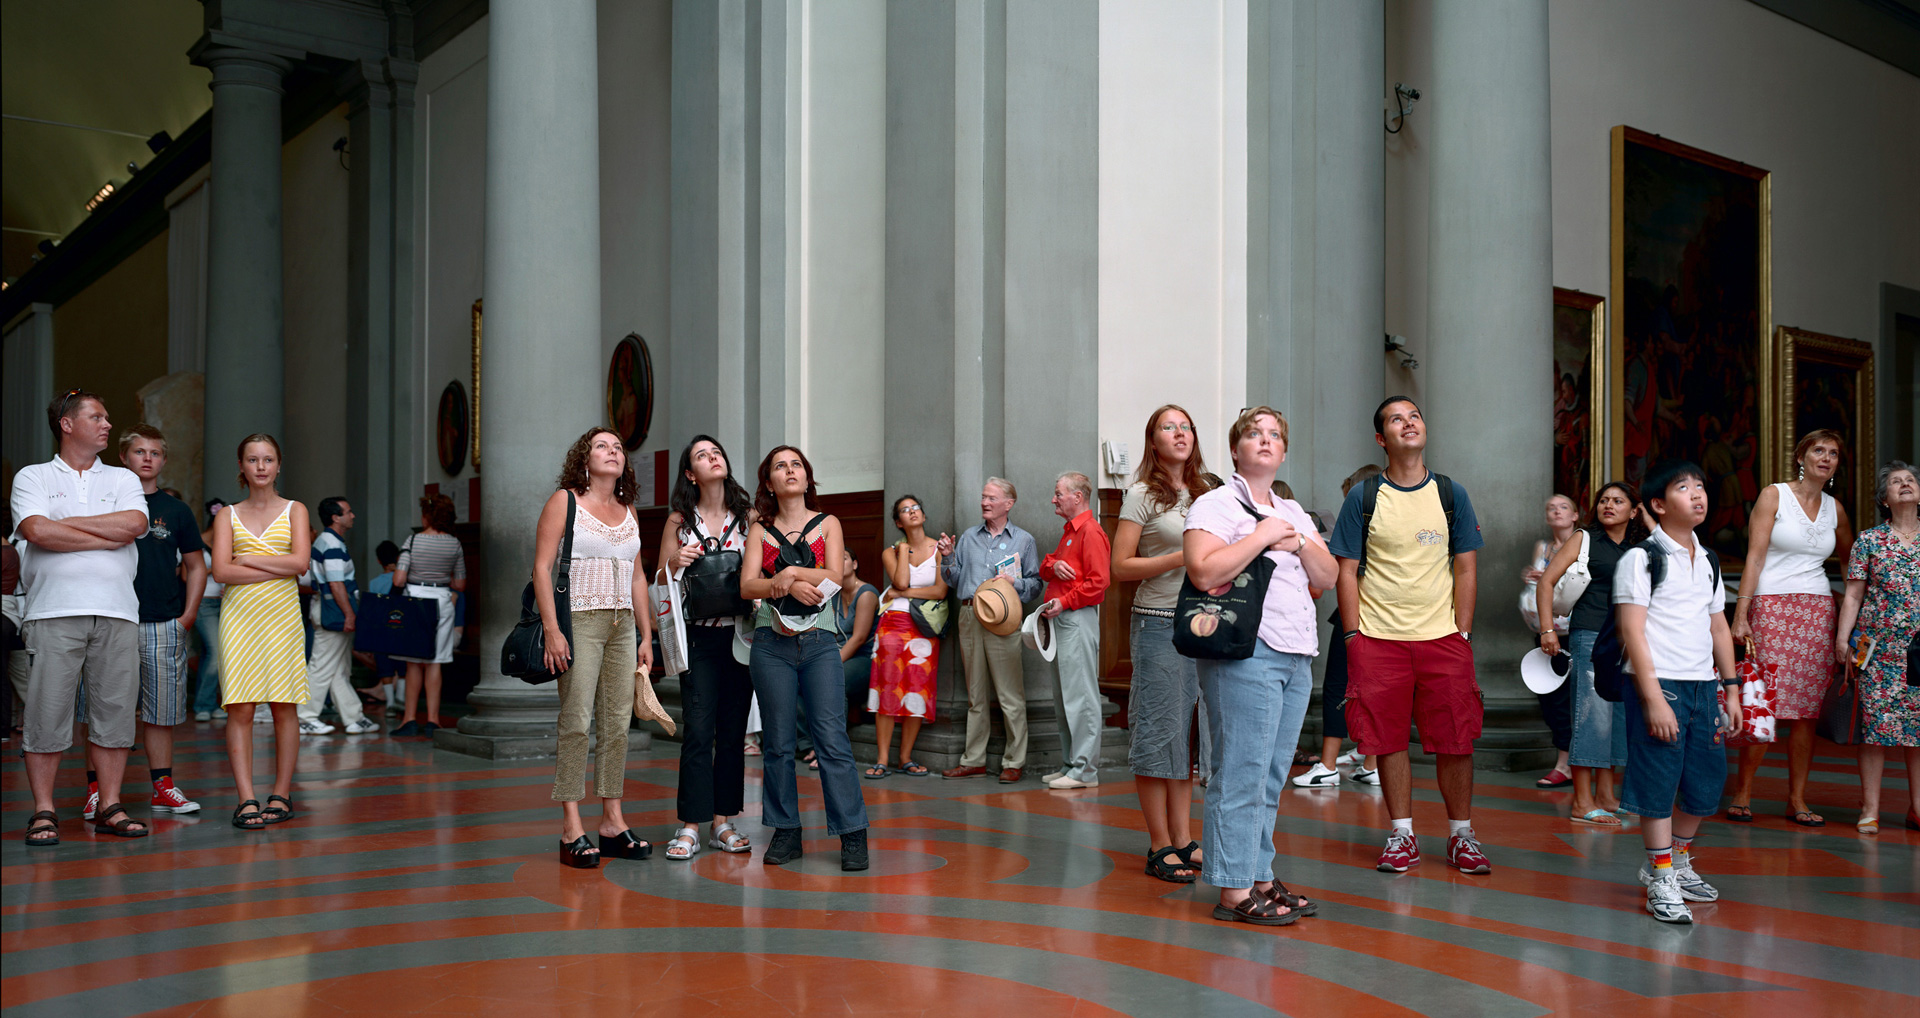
point(1740, 814)
point(875, 773)
point(1811, 819)
point(1598, 818)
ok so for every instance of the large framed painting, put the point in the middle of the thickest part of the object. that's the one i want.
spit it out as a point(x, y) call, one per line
point(1827, 382)
point(1579, 362)
point(1692, 319)
point(451, 433)
point(630, 391)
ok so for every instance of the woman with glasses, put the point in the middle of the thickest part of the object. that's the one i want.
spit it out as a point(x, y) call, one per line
point(906, 662)
point(1148, 548)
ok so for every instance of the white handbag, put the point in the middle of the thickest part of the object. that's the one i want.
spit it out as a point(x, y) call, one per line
point(668, 623)
point(1575, 581)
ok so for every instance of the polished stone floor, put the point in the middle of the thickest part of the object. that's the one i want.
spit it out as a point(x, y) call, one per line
point(415, 881)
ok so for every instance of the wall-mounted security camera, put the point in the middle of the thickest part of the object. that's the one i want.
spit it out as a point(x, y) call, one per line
point(1398, 344)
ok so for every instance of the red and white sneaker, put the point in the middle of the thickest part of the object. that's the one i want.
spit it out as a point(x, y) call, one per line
point(1402, 854)
point(93, 801)
point(1463, 854)
point(167, 799)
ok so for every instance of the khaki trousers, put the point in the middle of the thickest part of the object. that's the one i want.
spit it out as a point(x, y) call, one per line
point(596, 690)
point(992, 664)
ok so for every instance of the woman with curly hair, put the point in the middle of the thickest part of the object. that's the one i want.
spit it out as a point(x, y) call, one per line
point(1599, 742)
point(1883, 600)
point(1148, 546)
point(793, 550)
point(906, 663)
point(710, 515)
point(432, 566)
point(610, 650)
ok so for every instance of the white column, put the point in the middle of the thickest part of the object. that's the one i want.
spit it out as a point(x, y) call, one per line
point(541, 372)
point(1490, 284)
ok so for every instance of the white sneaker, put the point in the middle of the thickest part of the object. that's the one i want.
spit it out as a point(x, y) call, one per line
point(1366, 777)
point(1066, 781)
point(1052, 776)
point(1318, 777)
point(1351, 757)
point(1666, 902)
point(1691, 886)
point(202, 715)
point(362, 727)
point(315, 727)
point(219, 712)
point(262, 715)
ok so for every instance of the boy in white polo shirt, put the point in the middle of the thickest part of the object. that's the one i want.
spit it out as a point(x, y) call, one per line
point(1677, 642)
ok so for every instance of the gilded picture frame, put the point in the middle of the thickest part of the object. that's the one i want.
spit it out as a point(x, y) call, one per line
point(1690, 375)
point(473, 401)
point(1579, 394)
point(1827, 382)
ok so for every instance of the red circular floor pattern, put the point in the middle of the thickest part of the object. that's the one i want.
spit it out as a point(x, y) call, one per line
point(665, 984)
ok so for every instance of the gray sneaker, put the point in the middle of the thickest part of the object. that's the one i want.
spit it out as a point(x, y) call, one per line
point(1691, 886)
point(1665, 902)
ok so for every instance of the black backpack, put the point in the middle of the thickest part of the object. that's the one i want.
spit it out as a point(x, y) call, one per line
point(1370, 500)
point(1611, 679)
point(800, 554)
point(710, 585)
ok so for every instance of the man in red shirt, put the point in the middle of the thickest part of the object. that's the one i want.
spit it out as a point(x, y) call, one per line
point(1077, 574)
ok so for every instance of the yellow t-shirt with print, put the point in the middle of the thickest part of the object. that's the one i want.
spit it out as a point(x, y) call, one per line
point(1407, 592)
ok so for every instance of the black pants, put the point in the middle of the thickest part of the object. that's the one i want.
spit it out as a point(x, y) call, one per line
point(714, 693)
point(1557, 708)
point(1333, 719)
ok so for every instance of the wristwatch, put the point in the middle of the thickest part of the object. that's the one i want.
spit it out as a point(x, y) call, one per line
point(1464, 635)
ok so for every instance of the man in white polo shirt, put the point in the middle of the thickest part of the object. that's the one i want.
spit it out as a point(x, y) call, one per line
point(79, 519)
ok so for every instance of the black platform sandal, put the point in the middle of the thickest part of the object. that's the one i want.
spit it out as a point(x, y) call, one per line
point(624, 846)
point(246, 821)
point(579, 853)
point(278, 814)
point(1158, 866)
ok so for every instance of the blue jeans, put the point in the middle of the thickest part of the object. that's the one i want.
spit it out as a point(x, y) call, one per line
point(206, 696)
point(1599, 727)
point(1693, 767)
point(1166, 689)
point(787, 670)
point(1255, 709)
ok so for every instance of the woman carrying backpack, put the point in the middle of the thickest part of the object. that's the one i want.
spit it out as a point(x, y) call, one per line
point(793, 550)
point(1599, 728)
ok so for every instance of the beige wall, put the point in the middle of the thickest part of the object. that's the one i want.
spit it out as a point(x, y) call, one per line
point(111, 338)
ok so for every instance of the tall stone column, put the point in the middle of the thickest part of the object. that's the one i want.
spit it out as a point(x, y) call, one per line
point(541, 370)
point(246, 358)
point(1490, 285)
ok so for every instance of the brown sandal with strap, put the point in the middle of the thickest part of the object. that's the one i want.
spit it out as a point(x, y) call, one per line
point(51, 827)
point(123, 827)
point(1298, 902)
point(1257, 909)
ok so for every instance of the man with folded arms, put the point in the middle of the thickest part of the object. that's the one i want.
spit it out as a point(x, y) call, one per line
point(79, 518)
point(991, 657)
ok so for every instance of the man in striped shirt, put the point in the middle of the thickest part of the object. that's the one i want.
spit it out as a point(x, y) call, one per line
point(330, 666)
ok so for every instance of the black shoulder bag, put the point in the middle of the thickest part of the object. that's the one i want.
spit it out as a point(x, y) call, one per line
point(1223, 624)
point(524, 656)
point(710, 585)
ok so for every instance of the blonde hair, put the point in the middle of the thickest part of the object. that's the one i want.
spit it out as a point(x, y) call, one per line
point(143, 430)
point(1244, 423)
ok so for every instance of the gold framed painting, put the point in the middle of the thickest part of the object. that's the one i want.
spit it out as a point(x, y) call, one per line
point(1692, 319)
point(474, 402)
point(1827, 382)
point(1579, 373)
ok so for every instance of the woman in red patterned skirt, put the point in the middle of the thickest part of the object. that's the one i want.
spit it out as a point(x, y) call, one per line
point(1786, 610)
point(906, 662)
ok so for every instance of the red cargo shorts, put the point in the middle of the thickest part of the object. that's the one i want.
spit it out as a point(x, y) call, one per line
point(1391, 683)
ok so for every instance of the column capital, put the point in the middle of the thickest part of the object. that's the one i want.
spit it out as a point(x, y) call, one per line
point(241, 64)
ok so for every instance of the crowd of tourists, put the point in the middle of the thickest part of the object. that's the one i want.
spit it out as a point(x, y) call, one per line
point(755, 600)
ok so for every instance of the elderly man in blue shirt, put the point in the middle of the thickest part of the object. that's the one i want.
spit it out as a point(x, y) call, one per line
point(995, 548)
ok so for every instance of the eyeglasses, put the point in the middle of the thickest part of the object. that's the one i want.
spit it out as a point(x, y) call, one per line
point(1170, 427)
point(909, 507)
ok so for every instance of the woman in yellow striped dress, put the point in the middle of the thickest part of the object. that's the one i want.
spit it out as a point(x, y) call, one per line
point(260, 544)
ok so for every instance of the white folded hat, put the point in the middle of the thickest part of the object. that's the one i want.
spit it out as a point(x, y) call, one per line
point(1037, 632)
point(1543, 673)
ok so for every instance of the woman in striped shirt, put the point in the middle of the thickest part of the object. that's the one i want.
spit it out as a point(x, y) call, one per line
point(433, 566)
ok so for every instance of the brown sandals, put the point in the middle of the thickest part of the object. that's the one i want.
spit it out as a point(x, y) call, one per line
point(123, 827)
point(49, 832)
point(1257, 909)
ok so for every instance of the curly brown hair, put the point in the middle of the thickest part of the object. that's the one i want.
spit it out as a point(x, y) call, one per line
point(437, 512)
point(765, 505)
point(573, 471)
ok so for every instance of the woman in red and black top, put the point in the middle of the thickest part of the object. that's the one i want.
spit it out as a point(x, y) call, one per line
point(796, 655)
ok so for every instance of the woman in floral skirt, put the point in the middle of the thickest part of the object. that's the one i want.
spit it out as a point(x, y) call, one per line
point(1882, 604)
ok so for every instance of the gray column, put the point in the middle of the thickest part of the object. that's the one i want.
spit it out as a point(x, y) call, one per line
point(187, 277)
point(1490, 285)
point(541, 371)
point(27, 387)
point(245, 355)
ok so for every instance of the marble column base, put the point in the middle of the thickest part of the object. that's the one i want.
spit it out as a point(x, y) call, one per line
point(515, 724)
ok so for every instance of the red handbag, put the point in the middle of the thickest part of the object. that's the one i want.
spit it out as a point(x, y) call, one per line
point(1757, 681)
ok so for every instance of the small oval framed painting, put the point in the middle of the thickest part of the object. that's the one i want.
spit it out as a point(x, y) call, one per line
point(630, 391)
point(452, 437)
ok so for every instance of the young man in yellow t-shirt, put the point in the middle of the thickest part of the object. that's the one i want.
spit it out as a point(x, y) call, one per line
point(1408, 626)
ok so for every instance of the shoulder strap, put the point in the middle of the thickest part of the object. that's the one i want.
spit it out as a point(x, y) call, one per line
point(812, 523)
point(1713, 559)
point(1446, 505)
point(565, 570)
point(1586, 545)
point(1369, 501)
point(1656, 564)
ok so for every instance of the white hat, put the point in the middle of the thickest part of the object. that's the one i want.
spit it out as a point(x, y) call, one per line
point(743, 640)
point(1543, 673)
point(1037, 632)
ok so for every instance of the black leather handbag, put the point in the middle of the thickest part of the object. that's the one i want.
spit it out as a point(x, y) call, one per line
point(1223, 624)
point(710, 585)
point(524, 655)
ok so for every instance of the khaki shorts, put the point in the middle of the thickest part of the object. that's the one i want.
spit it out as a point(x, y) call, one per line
point(103, 653)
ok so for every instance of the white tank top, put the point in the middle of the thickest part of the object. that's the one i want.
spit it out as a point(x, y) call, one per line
point(921, 575)
point(1798, 549)
point(602, 570)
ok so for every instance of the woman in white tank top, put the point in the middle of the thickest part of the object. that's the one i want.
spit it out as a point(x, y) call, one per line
point(906, 664)
point(1786, 610)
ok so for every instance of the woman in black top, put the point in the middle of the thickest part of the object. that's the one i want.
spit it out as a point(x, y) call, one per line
point(1599, 727)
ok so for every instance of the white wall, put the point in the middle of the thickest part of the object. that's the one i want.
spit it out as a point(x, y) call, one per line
point(1173, 217)
point(450, 159)
point(314, 245)
point(843, 241)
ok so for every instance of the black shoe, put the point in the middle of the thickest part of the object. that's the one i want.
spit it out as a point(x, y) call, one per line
point(624, 846)
point(427, 728)
point(784, 848)
point(410, 728)
point(853, 850)
point(579, 853)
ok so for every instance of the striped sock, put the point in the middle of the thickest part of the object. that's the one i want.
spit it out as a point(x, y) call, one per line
point(1660, 859)
point(1682, 848)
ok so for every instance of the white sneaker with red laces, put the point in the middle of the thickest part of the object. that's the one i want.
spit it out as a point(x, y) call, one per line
point(167, 799)
point(93, 801)
point(1401, 855)
point(1463, 853)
